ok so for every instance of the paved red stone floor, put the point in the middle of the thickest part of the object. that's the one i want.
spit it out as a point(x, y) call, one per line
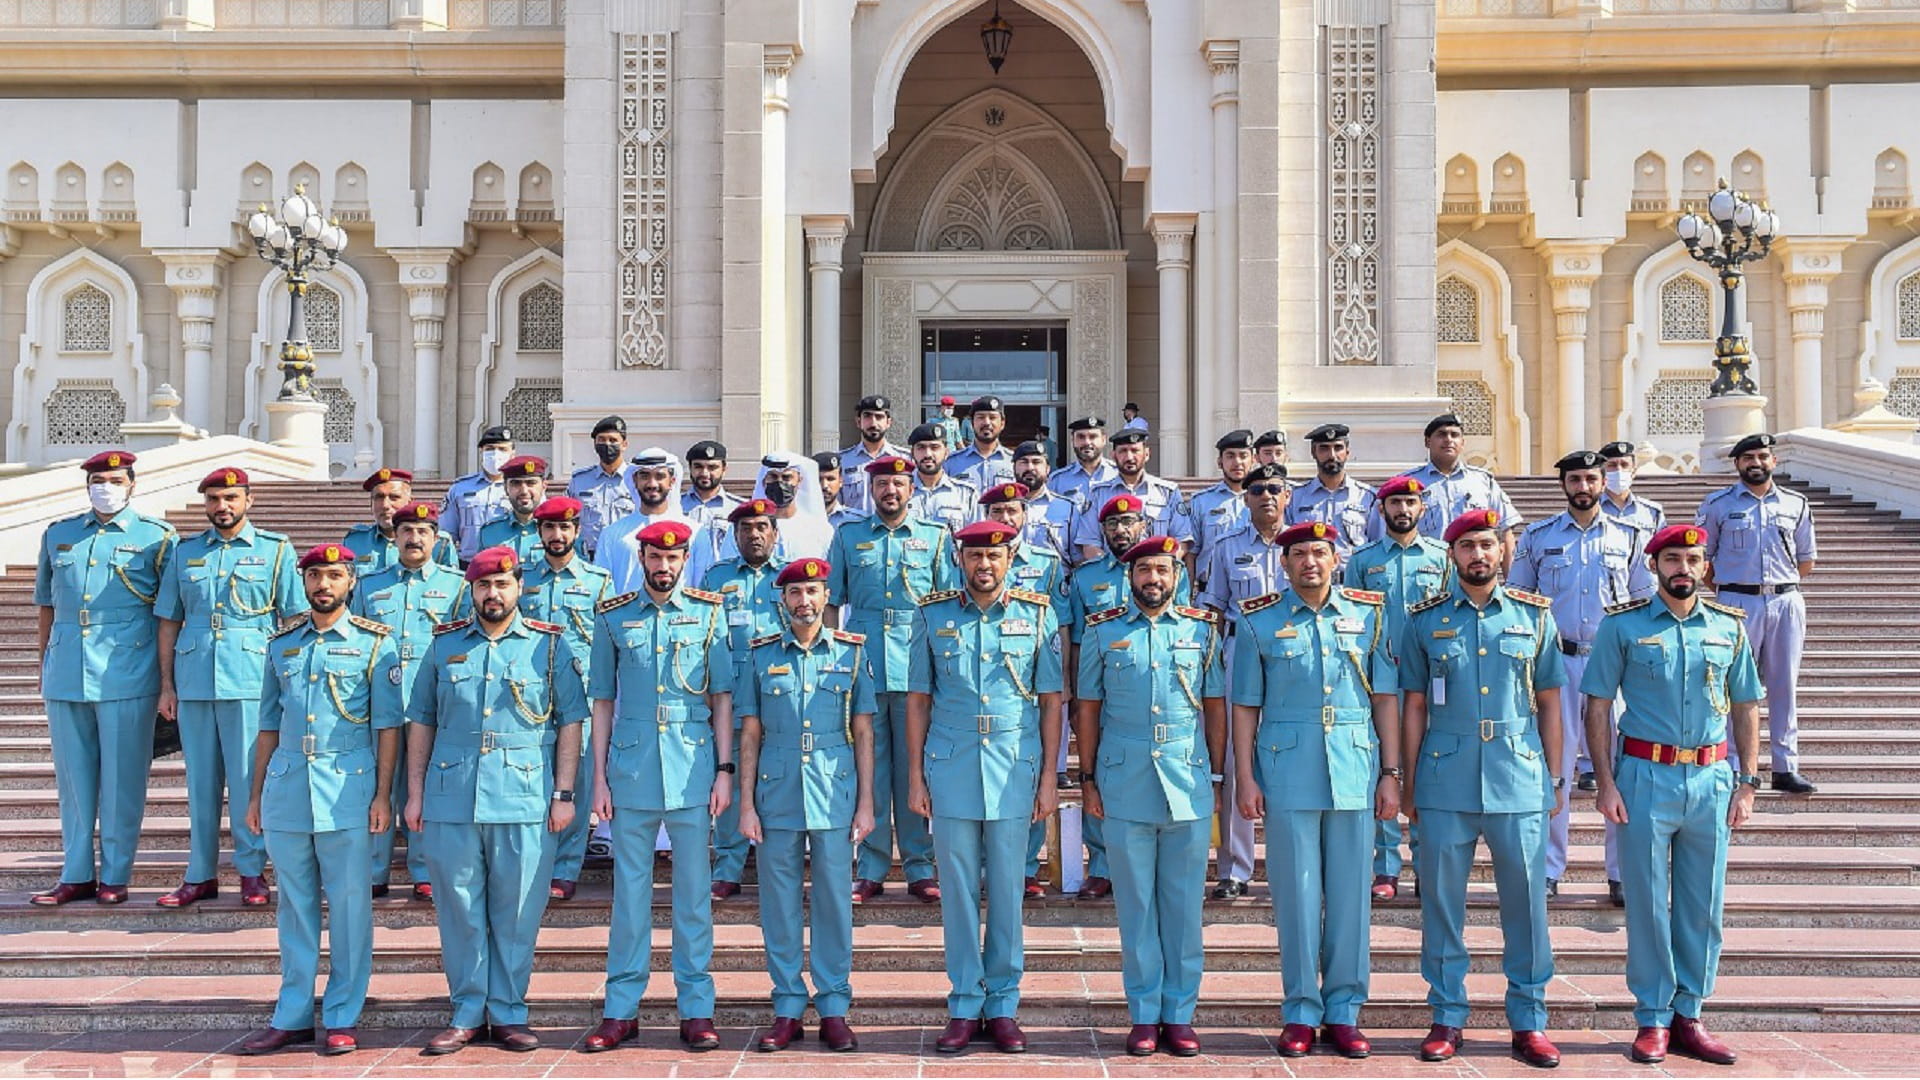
point(908, 1052)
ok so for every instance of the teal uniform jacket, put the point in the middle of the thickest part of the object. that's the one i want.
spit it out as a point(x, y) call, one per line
point(1150, 675)
point(1678, 678)
point(881, 574)
point(411, 603)
point(1406, 573)
point(658, 663)
point(327, 692)
point(805, 700)
point(496, 708)
point(1102, 583)
point(566, 598)
point(985, 670)
point(508, 530)
point(374, 550)
point(1480, 671)
point(229, 597)
point(1036, 569)
point(101, 580)
point(752, 605)
point(1312, 674)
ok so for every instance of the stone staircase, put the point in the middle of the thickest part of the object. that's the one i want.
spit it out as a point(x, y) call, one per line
point(1822, 905)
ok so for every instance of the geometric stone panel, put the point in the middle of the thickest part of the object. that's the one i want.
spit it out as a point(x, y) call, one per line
point(1686, 309)
point(1903, 393)
point(1674, 403)
point(85, 412)
point(1908, 292)
point(1457, 310)
point(526, 408)
point(86, 321)
point(323, 318)
point(541, 329)
point(1472, 402)
point(340, 409)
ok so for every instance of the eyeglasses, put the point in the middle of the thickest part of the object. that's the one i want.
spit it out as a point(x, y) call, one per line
point(1266, 489)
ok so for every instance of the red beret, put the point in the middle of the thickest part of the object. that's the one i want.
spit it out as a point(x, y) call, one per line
point(224, 478)
point(801, 571)
point(558, 508)
point(888, 465)
point(382, 475)
point(109, 459)
point(499, 559)
point(1677, 536)
point(1007, 492)
point(666, 535)
point(986, 534)
point(1472, 521)
point(415, 510)
point(751, 508)
point(1303, 532)
point(948, 400)
point(327, 555)
point(1122, 504)
point(524, 465)
point(1153, 545)
point(1400, 485)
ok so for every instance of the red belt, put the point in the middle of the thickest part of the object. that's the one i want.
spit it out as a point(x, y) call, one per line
point(1661, 754)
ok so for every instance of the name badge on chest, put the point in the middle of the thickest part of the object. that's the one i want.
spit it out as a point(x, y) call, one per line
point(916, 545)
point(1348, 625)
point(1016, 626)
point(196, 562)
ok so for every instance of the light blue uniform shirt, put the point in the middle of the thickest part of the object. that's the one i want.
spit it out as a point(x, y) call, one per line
point(604, 499)
point(1104, 583)
point(805, 700)
point(1755, 540)
point(982, 470)
point(1161, 505)
point(710, 510)
point(1039, 570)
point(472, 501)
point(1074, 479)
point(101, 579)
point(1446, 496)
point(1050, 523)
point(229, 596)
point(1645, 516)
point(1583, 571)
point(881, 574)
point(1346, 508)
point(1241, 566)
point(1679, 678)
point(326, 692)
point(1150, 675)
point(1215, 511)
point(952, 502)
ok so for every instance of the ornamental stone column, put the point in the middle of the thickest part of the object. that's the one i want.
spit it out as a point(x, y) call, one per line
point(196, 278)
point(426, 274)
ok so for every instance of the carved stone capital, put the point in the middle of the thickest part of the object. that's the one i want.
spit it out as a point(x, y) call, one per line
point(1173, 239)
point(826, 237)
point(1572, 268)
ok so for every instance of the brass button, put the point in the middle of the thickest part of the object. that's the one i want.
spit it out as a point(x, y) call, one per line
point(88, 596)
point(806, 723)
point(983, 742)
point(659, 689)
point(217, 605)
point(309, 718)
point(313, 678)
point(984, 698)
point(1483, 652)
point(1156, 708)
point(1483, 690)
point(486, 712)
point(1326, 689)
point(1156, 753)
point(93, 562)
point(218, 636)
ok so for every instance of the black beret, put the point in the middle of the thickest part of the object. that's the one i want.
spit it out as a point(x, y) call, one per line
point(1128, 435)
point(874, 403)
point(1438, 422)
point(1237, 439)
point(986, 403)
point(706, 450)
point(1327, 433)
point(926, 433)
point(1751, 443)
point(1029, 449)
point(1579, 459)
point(1620, 448)
point(610, 423)
point(1270, 437)
point(828, 461)
point(1271, 471)
point(1086, 423)
point(1131, 407)
point(498, 433)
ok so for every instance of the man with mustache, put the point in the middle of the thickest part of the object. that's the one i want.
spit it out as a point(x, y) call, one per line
point(874, 417)
point(1481, 671)
point(1270, 447)
point(526, 479)
point(1088, 438)
point(708, 501)
point(1332, 495)
point(937, 494)
point(1160, 500)
point(1049, 513)
point(1585, 562)
point(604, 488)
point(330, 731)
point(984, 462)
point(374, 542)
point(833, 487)
point(1685, 669)
point(1760, 548)
point(656, 483)
point(1451, 488)
point(495, 717)
point(223, 594)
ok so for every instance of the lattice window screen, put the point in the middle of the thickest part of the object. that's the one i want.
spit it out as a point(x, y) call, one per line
point(541, 326)
point(1909, 303)
point(340, 409)
point(1903, 393)
point(525, 408)
point(1686, 309)
point(1472, 402)
point(85, 412)
point(86, 320)
point(1673, 404)
point(1457, 310)
point(323, 318)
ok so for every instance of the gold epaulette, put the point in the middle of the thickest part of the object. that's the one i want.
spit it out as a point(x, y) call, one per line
point(1526, 597)
point(939, 595)
point(849, 637)
point(1428, 604)
point(702, 594)
point(369, 625)
point(1030, 596)
point(1716, 605)
point(1265, 600)
point(612, 602)
point(763, 639)
point(293, 622)
point(450, 627)
point(1099, 617)
point(1630, 605)
point(544, 627)
point(1363, 596)
point(1203, 614)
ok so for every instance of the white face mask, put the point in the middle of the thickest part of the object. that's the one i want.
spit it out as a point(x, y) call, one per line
point(492, 461)
point(108, 498)
point(1619, 481)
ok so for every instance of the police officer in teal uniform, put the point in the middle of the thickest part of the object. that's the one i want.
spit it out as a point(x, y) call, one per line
point(746, 581)
point(373, 542)
point(561, 587)
point(1685, 668)
point(1480, 671)
point(98, 576)
point(662, 691)
point(1408, 568)
point(410, 597)
point(806, 793)
point(496, 710)
point(222, 595)
point(1316, 722)
point(330, 721)
point(882, 567)
point(526, 483)
point(984, 664)
point(1150, 709)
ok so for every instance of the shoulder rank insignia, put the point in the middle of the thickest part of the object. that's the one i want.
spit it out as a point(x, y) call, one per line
point(1716, 605)
point(1099, 617)
point(1630, 605)
point(763, 639)
point(939, 595)
point(1364, 596)
point(1429, 603)
point(450, 627)
point(1203, 614)
point(293, 622)
point(1030, 596)
point(1526, 597)
point(1266, 600)
point(849, 637)
point(269, 534)
point(612, 602)
point(369, 625)
point(702, 594)
point(543, 627)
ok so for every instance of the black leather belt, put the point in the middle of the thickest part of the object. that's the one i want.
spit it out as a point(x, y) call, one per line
point(1576, 648)
point(1757, 590)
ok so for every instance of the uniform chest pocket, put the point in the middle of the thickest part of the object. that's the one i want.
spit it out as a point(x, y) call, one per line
point(529, 691)
point(1719, 657)
point(947, 657)
point(1650, 655)
point(1517, 648)
point(838, 683)
point(1288, 650)
point(1742, 530)
point(864, 560)
point(1122, 660)
point(1187, 657)
point(1556, 572)
point(779, 686)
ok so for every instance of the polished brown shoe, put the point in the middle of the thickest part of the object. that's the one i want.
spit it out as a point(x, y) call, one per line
point(423, 891)
point(784, 1033)
point(1534, 1048)
point(958, 1035)
point(340, 1041)
point(1143, 1040)
point(926, 890)
point(1441, 1043)
point(698, 1034)
point(1346, 1040)
point(66, 893)
point(273, 1040)
point(836, 1036)
point(1035, 890)
point(865, 889)
point(1095, 888)
point(722, 890)
point(1180, 1040)
point(190, 892)
point(254, 891)
point(1295, 1040)
point(609, 1034)
point(518, 1038)
point(110, 894)
point(1385, 886)
point(452, 1040)
point(1691, 1039)
point(561, 889)
point(1649, 1046)
point(1006, 1035)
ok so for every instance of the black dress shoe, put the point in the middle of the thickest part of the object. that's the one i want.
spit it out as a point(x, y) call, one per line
point(1616, 894)
point(1553, 887)
point(1793, 783)
point(1587, 782)
point(1065, 781)
point(1229, 889)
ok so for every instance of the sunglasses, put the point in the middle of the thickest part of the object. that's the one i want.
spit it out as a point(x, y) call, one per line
point(1266, 489)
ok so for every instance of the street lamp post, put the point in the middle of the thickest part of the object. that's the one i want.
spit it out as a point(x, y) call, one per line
point(1735, 230)
point(299, 240)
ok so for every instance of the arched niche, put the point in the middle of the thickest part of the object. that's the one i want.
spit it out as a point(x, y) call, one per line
point(1486, 351)
point(67, 366)
point(519, 370)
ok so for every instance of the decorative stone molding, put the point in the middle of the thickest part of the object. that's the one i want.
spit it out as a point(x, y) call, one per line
point(1354, 158)
point(826, 237)
point(1810, 263)
point(426, 274)
point(1572, 268)
point(643, 186)
point(196, 278)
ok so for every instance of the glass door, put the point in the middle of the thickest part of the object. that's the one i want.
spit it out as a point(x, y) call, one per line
point(1020, 363)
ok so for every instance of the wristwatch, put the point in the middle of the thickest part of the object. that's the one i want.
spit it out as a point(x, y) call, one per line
point(1086, 777)
point(727, 767)
point(1218, 778)
point(1559, 783)
point(1752, 780)
point(1396, 773)
point(562, 795)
